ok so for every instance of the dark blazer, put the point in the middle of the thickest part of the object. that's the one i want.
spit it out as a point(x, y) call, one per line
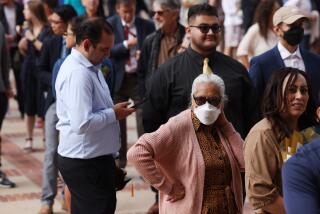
point(50, 53)
point(119, 53)
point(19, 16)
point(262, 66)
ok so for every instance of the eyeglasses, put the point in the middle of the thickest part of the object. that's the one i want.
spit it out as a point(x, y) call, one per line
point(215, 101)
point(159, 12)
point(204, 28)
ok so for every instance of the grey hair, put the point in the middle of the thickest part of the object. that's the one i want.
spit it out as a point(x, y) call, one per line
point(171, 4)
point(209, 78)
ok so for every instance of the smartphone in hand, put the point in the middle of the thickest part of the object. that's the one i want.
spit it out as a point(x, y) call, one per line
point(139, 103)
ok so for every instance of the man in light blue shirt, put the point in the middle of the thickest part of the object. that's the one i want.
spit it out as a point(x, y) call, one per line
point(88, 121)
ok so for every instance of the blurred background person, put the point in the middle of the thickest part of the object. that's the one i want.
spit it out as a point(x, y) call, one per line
point(248, 8)
point(162, 44)
point(218, 5)
point(311, 27)
point(274, 139)
point(30, 45)
point(260, 37)
point(93, 8)
point(77, 5)
point(142, 7)
point(194, 159)
point(11, 15)
point(130, 31)
point(185, 5)
point(232, 26)
point(5, 94)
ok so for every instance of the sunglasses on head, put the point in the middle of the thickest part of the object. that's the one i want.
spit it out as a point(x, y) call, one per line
point(204, 28)
point(215, 101)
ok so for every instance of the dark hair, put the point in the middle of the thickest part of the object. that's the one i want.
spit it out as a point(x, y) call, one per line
point(76, 22)
point(262, 16)
point(37, 9)
point(125, 2)
point(51, 3)
point(65, 12)
point(273, 102)
point(202, 9)
point(92, 29)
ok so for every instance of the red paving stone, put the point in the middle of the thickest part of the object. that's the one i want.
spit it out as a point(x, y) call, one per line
point(25, 163)
point(12, 172)
point(20, 197)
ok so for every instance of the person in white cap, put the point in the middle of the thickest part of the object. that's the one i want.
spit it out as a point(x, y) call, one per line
point(288, 26)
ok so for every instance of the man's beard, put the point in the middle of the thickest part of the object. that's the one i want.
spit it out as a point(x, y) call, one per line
point(158, 25)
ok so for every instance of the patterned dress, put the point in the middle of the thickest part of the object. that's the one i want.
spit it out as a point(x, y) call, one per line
point(217, 195)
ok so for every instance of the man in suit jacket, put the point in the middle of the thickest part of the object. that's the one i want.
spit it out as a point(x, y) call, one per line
point(130, 32)
point(52, 49)
point(11, 15)
point(288, 25)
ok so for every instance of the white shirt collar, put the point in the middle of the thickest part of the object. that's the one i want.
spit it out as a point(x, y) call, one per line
point(128, 24)
point(285, 54)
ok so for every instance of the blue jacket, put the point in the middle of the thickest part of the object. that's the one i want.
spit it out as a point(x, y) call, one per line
point(262, 66)
point(119, 53)
point(301, 180)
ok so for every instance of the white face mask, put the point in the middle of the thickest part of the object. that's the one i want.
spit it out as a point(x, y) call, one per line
point(207, 113)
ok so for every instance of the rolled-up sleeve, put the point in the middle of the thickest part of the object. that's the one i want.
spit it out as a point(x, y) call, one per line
point(262, 168)
point(82, 117)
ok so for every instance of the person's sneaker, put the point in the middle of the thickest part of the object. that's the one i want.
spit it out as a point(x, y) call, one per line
point(5, 182)
point(46, 209)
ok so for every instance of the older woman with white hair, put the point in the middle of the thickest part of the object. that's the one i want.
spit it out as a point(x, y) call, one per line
point(195, 159)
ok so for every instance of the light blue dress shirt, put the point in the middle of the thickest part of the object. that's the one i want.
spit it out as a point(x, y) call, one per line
point(87, 122)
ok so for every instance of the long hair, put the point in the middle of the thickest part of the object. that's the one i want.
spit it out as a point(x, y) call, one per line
point(275, 101)
point(263, 15)
point(37, 9)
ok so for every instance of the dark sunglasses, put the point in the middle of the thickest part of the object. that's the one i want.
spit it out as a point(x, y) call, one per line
point(159, 12)
point(215, 101)
point(216, 28)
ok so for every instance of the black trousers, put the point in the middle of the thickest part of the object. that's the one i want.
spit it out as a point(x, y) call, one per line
point(91, 183)
point(16, 60)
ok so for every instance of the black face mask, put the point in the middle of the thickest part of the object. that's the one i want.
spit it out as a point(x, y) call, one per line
point(294, 35)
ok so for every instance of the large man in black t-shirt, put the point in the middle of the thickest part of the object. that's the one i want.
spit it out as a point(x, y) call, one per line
point(170, 88)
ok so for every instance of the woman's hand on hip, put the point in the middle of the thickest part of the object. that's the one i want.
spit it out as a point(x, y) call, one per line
point(177, 192)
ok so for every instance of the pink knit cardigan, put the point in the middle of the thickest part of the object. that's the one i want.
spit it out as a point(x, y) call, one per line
point(172, 153)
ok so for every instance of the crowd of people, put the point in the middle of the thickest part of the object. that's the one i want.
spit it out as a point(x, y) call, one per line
point(226, 95)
